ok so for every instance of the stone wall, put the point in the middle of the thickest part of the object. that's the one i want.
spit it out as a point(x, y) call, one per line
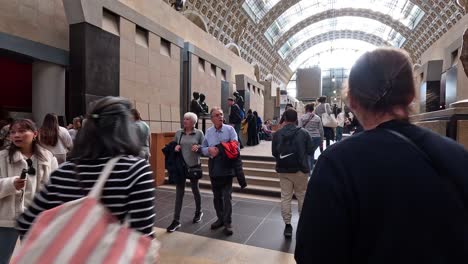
point(442, 50)
point(150, 77)
point(42, 21)
point(177, 23)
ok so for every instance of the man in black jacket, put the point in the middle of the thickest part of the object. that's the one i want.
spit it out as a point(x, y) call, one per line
point(235, 118)
point(291, 147)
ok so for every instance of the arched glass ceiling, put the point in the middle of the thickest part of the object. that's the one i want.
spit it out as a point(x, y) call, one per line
point(401, 10)
point(332, 54)
point(257, 9)
point(366, 25)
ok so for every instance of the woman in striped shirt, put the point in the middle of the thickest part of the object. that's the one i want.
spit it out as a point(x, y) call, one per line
point(129, 192)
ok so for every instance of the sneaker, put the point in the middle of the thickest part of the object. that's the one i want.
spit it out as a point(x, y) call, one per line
point(288, 230)
point(197, 218)
point(217, 224)
point(174, 226)
point(228, 230)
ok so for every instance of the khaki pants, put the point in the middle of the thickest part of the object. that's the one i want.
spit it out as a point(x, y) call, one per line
point(292, 183)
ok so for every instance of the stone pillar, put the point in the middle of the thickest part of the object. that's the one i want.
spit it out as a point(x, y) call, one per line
point(94, 66)
point(48, 90)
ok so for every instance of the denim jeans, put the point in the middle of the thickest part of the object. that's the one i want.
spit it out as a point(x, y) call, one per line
point(339, 133)
point(315, 144)
point(237, 128)
point(8, 238)
point(180, 191)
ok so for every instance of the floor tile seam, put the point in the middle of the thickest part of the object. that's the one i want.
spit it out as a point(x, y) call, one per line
point(263, 221)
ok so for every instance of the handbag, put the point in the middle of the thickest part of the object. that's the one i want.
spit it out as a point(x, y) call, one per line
point(195, 172)
point(329, 120)
point(84, 231)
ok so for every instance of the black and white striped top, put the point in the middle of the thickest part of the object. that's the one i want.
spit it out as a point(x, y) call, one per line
point(129, 193)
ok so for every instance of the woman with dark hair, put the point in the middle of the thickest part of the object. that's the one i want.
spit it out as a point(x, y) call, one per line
point(395, 193)
point(76, 126)
point(322, 108)
point(129, 190)
point(55, 138)
point(252, 132)
point(24, 167)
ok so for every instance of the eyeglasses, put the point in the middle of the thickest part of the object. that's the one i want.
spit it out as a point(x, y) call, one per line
point(217, 115)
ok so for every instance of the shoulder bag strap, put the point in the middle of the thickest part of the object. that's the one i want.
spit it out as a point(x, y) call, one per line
point(308, 120)
point(99, 185)
point(429, 161)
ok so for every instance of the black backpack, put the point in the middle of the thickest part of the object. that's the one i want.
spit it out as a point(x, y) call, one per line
point(288, 160)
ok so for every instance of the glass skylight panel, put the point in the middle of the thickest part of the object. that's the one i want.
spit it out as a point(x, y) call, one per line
point(332, 54)
point(401, 10)
point(366, 25)
point(257, 9)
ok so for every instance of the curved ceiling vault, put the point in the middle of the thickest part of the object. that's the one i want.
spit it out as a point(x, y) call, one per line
point(333, 35)
point(435, 16)
point(283, 5)
point(355, 12)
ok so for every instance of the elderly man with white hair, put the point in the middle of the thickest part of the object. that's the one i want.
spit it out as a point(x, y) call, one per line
point(189, 140)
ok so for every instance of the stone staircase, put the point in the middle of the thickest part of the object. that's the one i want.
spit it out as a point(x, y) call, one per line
point(260, 175)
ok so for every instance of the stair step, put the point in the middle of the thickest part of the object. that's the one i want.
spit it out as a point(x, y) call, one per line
point(270, 173)
point(251, 189)
point(268, 164)
point(254, 180)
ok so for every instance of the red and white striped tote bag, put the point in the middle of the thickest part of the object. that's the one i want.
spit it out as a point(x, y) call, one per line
point(84, 231)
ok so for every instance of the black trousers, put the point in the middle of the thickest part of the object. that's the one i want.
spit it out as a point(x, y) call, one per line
point(180, 191)
point(222, 190)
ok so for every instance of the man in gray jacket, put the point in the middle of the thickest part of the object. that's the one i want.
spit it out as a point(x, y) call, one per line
point(291, 147)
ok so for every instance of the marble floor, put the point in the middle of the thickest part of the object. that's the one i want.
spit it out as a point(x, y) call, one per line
point(184, 248)
point(256, 223)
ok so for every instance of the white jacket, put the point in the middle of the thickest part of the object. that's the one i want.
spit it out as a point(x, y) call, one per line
point(11, 204)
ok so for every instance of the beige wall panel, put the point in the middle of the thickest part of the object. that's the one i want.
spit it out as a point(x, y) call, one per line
point(127, 49)
point(154, 112)
point(127, 89)
point(462, 133)
point(154, 42)
point(143, 108)
point(127, 70)
point(175, 22)
point(175, 126)
point(141, 74)
point(127, 29)
point(175, 113)
point(41, 21)
point(165, 112)
point(155, 127)
point(166, 127)
point(141, 55)
point(439, 126)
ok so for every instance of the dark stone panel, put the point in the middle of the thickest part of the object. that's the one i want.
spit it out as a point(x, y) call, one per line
point(94, 66)
point(242, 225)
point(433, 96)
point(270, 235)
point(252, 209)
point(275, 214)
point(186, 218)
